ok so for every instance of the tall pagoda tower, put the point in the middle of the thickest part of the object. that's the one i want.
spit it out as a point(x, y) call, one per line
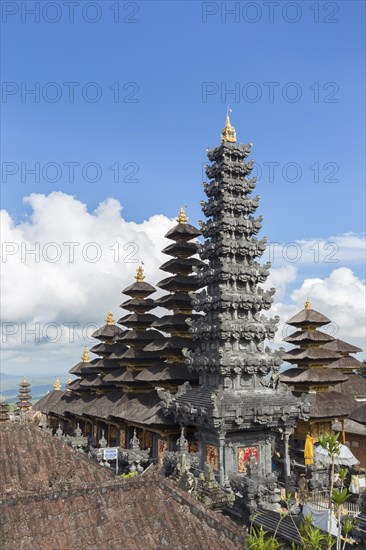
point(239, 407)
point(179, 286)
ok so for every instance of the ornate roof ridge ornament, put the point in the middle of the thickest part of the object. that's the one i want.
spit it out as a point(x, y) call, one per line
point(140, 274)
point(110, 319)
point(307, 304)
point(85, 357)
point(182, 218)
point(228, 132)
point(57, 385)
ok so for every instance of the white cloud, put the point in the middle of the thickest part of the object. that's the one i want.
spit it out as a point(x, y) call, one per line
point(37, 291)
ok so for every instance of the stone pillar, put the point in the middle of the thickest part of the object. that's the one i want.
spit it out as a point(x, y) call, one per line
point(286, 454)
point(222, 469)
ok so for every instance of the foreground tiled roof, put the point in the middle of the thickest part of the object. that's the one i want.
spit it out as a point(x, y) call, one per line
point(52, 497)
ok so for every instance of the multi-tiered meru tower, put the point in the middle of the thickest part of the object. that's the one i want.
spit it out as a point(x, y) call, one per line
point(242, 413)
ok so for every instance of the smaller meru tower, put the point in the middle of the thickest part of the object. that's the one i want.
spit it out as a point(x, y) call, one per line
point(241, 412)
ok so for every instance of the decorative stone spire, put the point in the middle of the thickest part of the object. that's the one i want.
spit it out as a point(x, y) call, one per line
point(85, 357)
point(239, 405)
point(110, 319)
point(182, 218)
point(228, 132)
point(57, 385)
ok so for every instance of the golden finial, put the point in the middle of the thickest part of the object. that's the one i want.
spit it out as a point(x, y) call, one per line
point(110, 319)
point(140, 274)
point(85, 357)
point(307, 304)
point(24, 381)
point(69, 381)
point(57, 385)
point(182, 218)
point(228, 132)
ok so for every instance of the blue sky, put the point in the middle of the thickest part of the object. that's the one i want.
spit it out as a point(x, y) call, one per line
point(164, 72)
point(169, 53)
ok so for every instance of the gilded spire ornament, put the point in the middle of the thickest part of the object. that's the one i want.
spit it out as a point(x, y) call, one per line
point(57, 385)
point(85, 357)
point(110, 319)
point(69, 381)
point(140, 274)
point(228, 132)
point(182, 218)
point(307, 304)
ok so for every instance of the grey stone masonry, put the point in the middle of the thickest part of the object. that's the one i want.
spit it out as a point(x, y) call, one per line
point(241, 411)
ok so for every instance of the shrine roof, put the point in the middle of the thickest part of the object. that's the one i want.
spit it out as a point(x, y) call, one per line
point(183, 231)
point(341, 346)
point(47, 401)
point(346, 363)
point(316, 376)
point(308, 317)
point(330, 404)
point(355, 386)
point(309, 335)
point(57, 498)
point(359, 414)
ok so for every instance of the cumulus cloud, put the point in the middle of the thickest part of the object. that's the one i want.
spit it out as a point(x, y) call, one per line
point(65, 267)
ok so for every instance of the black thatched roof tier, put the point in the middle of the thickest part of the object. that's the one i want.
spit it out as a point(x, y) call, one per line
point(176, 302)
point(330, 405)
point(138, 320)
point(103, 348)
point(183, 232)
point(342, 347)
point(142, 409)
point(46, 403)
point(101, 364)
point(166, 372)
point(108, 332)
point(139, 290)
point(308, 337)
point(359, 414)
point(346, 363)
point(92, 382)
point(181, 250)
point(181, 266)
point(169, 345)
point(310, 354)
point(82, 368)
point(312, 376)
point(140, 338)
point(137, 357)
point(179, 283)
point(121, 375)
point(308, 317)
point(138, 305)
point(176, 321)
point(355, 386)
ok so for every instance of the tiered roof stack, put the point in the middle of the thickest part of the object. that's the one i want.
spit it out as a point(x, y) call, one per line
point(179, 285)
point(322, 362)
point(24, 396)
point(4, 411)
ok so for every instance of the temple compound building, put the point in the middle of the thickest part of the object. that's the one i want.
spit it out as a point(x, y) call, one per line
point(203, 370)
point(115, 394)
